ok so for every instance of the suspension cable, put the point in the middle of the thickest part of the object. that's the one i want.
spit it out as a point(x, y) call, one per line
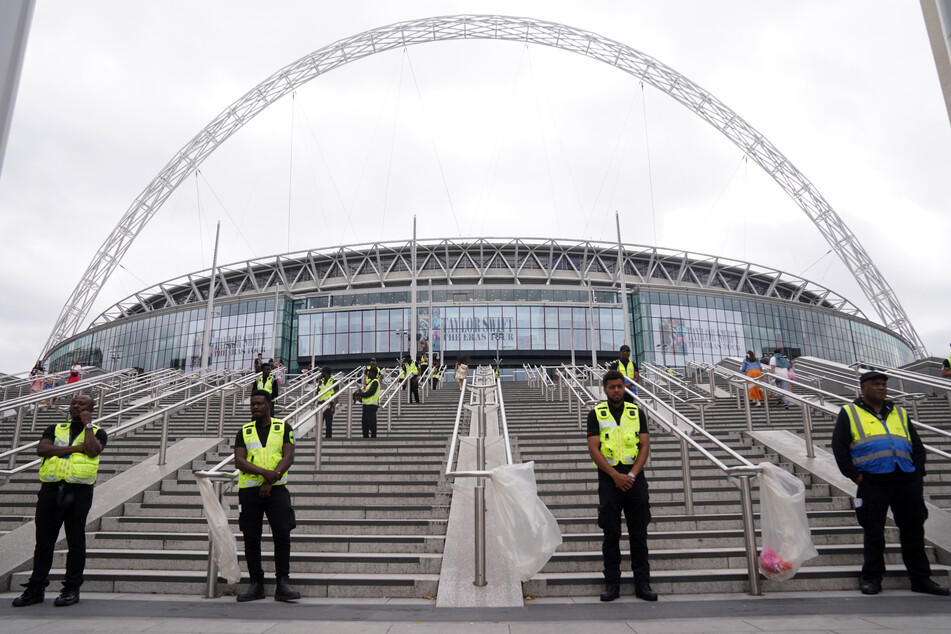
point(201, 237)
point(225, 209)
point(650, 175)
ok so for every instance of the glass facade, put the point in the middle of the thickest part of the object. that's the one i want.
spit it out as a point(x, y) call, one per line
point(672, 328)
point(539, 322)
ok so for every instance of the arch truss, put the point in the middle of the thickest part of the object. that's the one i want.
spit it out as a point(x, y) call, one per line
point(486, 27)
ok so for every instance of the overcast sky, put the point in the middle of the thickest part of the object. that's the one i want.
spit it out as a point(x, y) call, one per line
point(475, 138)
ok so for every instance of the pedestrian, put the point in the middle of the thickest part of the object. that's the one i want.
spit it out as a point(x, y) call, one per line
point(435, 379)
point(74, 372)
point(279, 372)
point(779, 366)
point(628, 370)
point(946, 368)
point(70, 453)
point(37, 378)
point(326, 388)
point(413, 372)
point(258, 362)
point(619, 445)
point(754, 369)
point(371, 366)
point(263, 453)
point(461, 370)
point(369, 396)
point(876, 447)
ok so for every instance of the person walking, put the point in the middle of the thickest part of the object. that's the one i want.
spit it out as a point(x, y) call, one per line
point(779, 367)
point(413, 371)
point(75, 371)
point(70, 453)
point(752, 368)
point(619, 445)
point(267, 383)
point(326, 387)
point(876, 447)
point(435, 378)
point(263, 453)
point(461, 370)
point(369, 396)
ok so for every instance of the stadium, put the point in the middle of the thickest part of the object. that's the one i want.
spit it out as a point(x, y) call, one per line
point(521, 300)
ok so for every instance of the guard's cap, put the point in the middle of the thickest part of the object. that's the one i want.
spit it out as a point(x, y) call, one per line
point(874, 374)
point(625, 348)
point(325, 369)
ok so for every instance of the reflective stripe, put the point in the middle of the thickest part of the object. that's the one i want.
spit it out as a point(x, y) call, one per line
point(888, 453)
point(880, 446)
point(267, 456)
point(619, 443)
point(75, 468)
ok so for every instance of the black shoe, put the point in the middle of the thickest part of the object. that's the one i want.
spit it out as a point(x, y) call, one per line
point(611, 592)
point(69, 596)
point(645, 592)
point(284, 591)
point(30, 596)
point(927, 586)
point(254, 592)
point(871, 586)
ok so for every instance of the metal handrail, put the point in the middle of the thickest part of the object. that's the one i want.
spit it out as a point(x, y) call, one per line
point(124, 428)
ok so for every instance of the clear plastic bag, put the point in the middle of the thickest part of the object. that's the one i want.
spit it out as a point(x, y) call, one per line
point(787, 542)
point(528, 532)
point(226, 547)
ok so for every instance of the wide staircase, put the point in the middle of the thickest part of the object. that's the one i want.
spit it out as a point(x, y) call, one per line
point(371, 521)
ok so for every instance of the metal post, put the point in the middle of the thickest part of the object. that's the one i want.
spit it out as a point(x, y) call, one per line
point(749, 533)
point(561, 384)
point(389, 419)
point(16, 437)
point(749, 414)
point(221, 414)
point(36, 410)
point(204, 427)
point(580, 424)
point(209, 309)
point(318, 440)
point(688, 481)
point(102, 401)
point(623, 278)
point(164, 444)
point(479, 496)
point(211, 581)
point(350, 405)
point(769, 422)
point(807, 430)
point(234, 403)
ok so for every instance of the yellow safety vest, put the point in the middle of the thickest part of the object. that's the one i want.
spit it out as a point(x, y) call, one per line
point(267, 386)
point(373, 399)
point(879, 447)
point(265, 456)
point(412, 368)
point(323, 386)
point(626, 370)
point(619, 443)
point(75, 468)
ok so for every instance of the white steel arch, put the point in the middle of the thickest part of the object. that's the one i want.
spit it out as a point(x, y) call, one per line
point(486, 27)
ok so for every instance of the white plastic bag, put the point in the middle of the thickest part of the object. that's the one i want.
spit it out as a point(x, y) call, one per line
point(226, 547)
point(528, 532)
point(787, 542)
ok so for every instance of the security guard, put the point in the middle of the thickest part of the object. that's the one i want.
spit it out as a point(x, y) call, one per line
point(619, 446)
point(326, 387)
point(372, 366)
point(70, 453)
point(435, 383)
point(263, 452)
point(267, 383)
point(495, 369)
point(423, 364)
point(876, 447)
point(413, 372)
point(628, 370)
point(370, 398)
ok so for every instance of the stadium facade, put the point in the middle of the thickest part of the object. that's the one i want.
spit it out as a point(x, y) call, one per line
point(524, 300)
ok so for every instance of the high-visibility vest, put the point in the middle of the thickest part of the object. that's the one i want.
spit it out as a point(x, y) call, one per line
point(266, 456)
point(267, 386)
point(323, 386)
point(626, 370)
point(496, 374)
point(412, 368)
point(75, 468)
point(619, 443)
point(373, 399)
point(880, 447)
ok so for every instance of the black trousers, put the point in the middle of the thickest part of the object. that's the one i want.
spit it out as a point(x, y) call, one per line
point(368, 420)
point(635, 504)
point(414, 389)
point(280, 517)
point(435, 383)
point(328, 423)
point(905, 497)
point(57, 506)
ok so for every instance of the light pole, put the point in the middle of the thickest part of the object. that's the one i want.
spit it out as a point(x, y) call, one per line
point(498, 339)
point(400, 333)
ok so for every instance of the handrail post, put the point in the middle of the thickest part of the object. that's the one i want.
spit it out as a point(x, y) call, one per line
point(36, 411)
point(479, 496)
point(102, 401)
point(749, 532)
point(16, 437)
point(164, 444)
point(688, 480)
point(769, 422)
point(221, 413)
point(580, 425)
point(350, 405)
point(211, 581)
point(807, 430)
point(318, 440)
point(561, 385)
point(749, 411)
point(204, 427)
